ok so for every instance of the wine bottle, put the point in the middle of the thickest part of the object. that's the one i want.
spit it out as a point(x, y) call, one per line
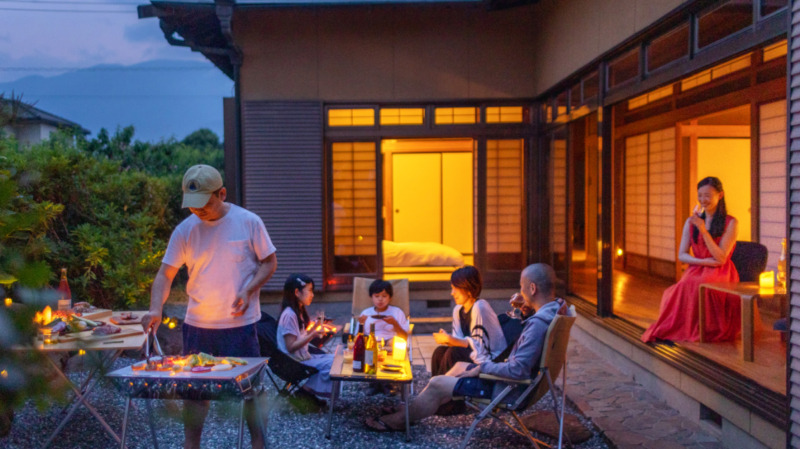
point(64, 293)
point(371, 354)
point(782, 268)
point(358, 353)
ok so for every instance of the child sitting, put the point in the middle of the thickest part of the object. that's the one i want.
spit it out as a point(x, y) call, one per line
point(389, 320)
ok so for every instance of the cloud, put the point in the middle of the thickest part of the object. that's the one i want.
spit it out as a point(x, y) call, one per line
point(146, 30)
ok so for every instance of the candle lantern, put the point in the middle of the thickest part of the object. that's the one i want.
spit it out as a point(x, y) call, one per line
point(766, 280)
point(399, 349)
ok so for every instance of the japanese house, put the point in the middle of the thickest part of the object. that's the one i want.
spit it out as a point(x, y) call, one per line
point(405, 138)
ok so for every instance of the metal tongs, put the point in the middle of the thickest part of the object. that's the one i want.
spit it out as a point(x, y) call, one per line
point(156, 345)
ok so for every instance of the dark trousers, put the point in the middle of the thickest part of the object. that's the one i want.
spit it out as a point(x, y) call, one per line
point(446, 357)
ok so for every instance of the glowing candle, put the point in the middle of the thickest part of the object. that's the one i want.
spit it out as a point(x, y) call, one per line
point(767, 280)
point(47, 315)
point(399, 349)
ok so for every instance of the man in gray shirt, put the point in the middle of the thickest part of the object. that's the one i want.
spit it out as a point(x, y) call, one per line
point(537, 287)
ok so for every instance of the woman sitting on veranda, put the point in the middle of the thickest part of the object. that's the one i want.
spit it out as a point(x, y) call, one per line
point(710, 233)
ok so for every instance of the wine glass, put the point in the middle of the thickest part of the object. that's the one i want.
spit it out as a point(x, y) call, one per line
point(516, 302)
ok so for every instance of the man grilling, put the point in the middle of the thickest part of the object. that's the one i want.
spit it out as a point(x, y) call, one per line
point(229, 256)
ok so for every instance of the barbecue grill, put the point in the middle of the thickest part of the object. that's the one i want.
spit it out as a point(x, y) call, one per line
point(241, 383)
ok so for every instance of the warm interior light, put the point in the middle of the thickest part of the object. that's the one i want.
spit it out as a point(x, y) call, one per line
point(767, 280)
point(47, 315)
point(8, 302)
point(619, 252)
point(399, 349)
point(81, 352)
point(4, 374)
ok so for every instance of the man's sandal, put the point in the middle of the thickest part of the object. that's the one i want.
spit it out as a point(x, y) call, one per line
point(377, 425)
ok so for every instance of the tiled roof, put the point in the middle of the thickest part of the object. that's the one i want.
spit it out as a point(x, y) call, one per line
point(26, 114)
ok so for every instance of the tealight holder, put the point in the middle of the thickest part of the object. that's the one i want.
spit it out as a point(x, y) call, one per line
point(399, 349)
point(766, 280)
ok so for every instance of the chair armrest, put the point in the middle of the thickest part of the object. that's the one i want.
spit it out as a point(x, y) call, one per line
point(505, 379)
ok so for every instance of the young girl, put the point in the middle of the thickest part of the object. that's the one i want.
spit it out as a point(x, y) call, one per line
point(477, 336)
point(389, 320)
point(293, 338)
point(710, 233)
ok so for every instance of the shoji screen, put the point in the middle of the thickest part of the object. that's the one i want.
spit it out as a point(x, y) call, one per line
point(772, 178)
point(650, 195)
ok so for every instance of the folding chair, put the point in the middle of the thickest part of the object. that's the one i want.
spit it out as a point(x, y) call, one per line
point(400, 299)
point(293, 373)
point(554, 359)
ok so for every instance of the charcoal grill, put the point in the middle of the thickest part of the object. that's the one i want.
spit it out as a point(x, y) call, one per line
point(239, 383)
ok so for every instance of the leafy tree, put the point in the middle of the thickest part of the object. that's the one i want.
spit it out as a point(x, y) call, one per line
point(203, 138)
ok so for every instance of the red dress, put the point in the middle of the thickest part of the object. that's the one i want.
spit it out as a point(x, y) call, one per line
point(677, 319)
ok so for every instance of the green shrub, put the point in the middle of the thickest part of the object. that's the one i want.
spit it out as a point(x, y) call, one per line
point(121, 201)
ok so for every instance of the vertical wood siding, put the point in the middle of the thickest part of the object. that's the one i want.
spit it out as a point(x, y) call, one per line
point(282, 181)
point(794, 226)
point(772, 180)
point(558, 216)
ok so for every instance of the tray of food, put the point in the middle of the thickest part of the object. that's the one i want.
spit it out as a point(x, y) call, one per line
point(126, 317)
point(196, 377)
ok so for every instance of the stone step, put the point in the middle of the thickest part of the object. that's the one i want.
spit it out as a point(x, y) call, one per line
point(430, 324)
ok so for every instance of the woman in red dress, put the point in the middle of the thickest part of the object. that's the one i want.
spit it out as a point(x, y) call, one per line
point(711, 234)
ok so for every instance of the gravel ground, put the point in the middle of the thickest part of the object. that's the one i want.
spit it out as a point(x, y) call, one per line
point(286, 427)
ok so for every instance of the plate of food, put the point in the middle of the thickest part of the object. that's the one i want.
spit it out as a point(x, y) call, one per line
point(391, 368)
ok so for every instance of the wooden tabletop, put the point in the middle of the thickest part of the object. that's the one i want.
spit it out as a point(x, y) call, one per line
point(742, 288)
point(341, 370)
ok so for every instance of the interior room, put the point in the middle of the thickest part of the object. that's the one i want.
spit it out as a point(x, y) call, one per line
point(428, 197)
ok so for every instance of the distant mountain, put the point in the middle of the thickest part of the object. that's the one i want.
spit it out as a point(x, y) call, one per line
point(160, 98)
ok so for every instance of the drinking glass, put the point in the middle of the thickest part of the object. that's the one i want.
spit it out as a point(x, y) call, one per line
point(515, 303)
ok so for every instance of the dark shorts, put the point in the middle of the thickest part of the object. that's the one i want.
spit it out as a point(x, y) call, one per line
point(474, 387)
point(235, 342)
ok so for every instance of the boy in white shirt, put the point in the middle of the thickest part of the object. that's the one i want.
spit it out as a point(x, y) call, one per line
point(389, 320)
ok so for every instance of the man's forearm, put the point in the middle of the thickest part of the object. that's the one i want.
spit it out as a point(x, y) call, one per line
point(159, 293)
point(265, 271)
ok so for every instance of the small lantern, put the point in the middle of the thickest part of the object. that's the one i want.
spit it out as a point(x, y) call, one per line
point(399, 349)
point(46, 333)
point(766, 280)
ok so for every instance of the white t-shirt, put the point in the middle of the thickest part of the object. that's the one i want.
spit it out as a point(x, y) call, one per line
point(288, 324)
point(383, 329)
point(222, 257)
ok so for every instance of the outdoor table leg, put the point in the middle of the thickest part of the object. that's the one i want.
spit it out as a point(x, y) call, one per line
point(334, 393)
point(152, 422)
point(747, 327)
point(81, 398)
point(701, 312)
point(124, 424)
point(405, 409)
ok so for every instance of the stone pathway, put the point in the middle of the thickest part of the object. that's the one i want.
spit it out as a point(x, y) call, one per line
point(629, 415)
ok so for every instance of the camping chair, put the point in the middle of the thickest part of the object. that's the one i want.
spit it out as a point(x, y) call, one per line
point(400, 299)
point(750, 259)
point(293, 373)
point(554, 359)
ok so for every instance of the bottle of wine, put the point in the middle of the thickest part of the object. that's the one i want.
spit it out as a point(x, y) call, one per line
point(371, 355)
point(358, 353)
point(64, 293)
point(782, 268)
